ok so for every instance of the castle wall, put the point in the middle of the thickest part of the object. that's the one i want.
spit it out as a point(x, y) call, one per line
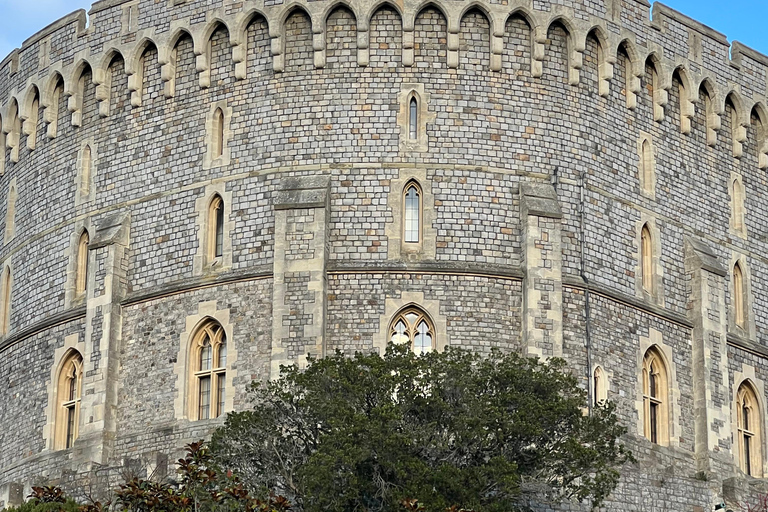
point(533, 193)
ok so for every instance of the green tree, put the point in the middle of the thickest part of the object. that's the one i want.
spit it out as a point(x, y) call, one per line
point(450, 429)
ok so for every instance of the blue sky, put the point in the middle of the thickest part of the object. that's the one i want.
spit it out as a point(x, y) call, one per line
point(741, 20)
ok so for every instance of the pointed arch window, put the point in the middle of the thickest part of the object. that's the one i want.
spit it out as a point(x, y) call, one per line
point(655, 403)
point(5, 302)
point(209, 372)
point(69, 391)
point(85, 172)
point(749, 431)
point(413, 118)
point(413, 326)
point(738, 205)
point(412, 215)
point(218, 133)
point(646, 258)
point(600, 386)
point(216, 228)
point(81, 280)
point(738, 296)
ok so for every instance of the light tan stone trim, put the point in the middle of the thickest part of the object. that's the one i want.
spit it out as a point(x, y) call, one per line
point(738, 217)
point(71, 297)
point(10, 211)
point(129, 19)
point(397, 249)
point(430, 307)
point(205, 311)
point(85, 185)
point(202, 263)
point(748, 374)
point(210, 161)
point(71, 342)
point(674, 412)
point(407, 91)
point(749, 330)
point(656, 295)
point(647, 177)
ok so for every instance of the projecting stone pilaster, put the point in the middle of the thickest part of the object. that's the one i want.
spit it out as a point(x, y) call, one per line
point(542, 261)
point(301, 253)
point(707, 312)
point(106, 288)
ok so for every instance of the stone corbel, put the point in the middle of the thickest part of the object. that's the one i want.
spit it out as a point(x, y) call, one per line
point(497, 50)
point(605, 72)
point(576, 46)
point(453, 43)
point(203, 65)
point(763, 155)
point(633, 87)
point(363, 45)
point(661, 93)
point(278, 57)
point(739, 137)
point(538, 51)
point(408, 43)
point(101, 80)
point(318, 45)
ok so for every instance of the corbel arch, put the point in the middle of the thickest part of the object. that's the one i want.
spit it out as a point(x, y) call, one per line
point(277, 28)
point(76, 91)
point(239, 38)
point(536, 46)
point(738, 122)
point(134, 67)
point(493, 48)
point(168, 58)
point(319, 37)
point(53, 93)
point(575, 46)
point(605, 60)
point(204, 47)
point(685, 92)
point(103, 80)
point(660, 96)
point(632, 72)
point(12, 128)
point(29, 115)
point(760, 114)
point(712, 109)
point(409, 32)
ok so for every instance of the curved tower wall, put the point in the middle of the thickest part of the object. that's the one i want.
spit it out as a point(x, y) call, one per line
point(535, 188)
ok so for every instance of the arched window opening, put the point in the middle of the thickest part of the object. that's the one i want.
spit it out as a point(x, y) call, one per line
point(33, 118)
point(749, 431)
point(413, 118)
point(738, 205)
point(600, 387)
point(738, 296)
point(82, 263)
point(209, 357)
point(69, 391)
point(5, 304)
point(412, 216)
point(655, 397)
point(646, 256)
point(412, 326)
point(216, 228)
point(218, 133)
point(85, 174)
point(647, 165)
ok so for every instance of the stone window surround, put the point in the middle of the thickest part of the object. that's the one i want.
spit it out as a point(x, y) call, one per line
point(749, 329)
point(670, 437)
point(72, 343)
point(748, 375)
point(6, 297)
point(431, 308)
point(408, 91)
point(206, 312)
point(656, 295)
point(423, 316)
point(737, 209)
point(84, 192)
point(202, 263)
point(646, 189)
point(196, 373)
point(396, 247)
point(600, 389)
point(210, 161)
point(71, 297)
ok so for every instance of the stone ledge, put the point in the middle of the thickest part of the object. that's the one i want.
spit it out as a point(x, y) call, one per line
point(47, 323)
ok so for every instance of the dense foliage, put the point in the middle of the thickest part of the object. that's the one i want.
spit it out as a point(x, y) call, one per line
point(451, 430)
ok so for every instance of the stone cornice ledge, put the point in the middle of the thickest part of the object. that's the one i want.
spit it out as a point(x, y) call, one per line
point(46, 323)
point(747, 345)
point(196, 283)
point(664, 313)
point(431, 267)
